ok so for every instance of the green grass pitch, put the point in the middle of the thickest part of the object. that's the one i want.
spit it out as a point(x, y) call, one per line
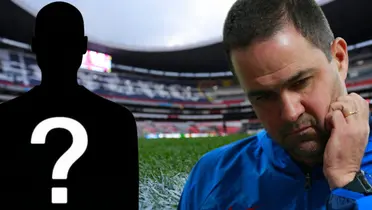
point(165, 163)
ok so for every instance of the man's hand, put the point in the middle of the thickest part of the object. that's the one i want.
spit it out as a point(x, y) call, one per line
point(349, 137)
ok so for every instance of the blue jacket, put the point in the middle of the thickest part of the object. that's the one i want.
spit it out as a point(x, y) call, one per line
point(257, 174)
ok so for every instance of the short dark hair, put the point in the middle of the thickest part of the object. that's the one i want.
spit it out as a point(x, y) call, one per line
point(252, 20)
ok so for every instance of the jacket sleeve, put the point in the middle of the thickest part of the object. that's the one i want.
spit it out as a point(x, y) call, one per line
point(341, 199)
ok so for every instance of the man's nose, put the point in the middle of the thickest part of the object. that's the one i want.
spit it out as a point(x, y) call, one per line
point(291, 107)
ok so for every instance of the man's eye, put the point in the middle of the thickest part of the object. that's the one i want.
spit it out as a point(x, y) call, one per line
point(263, 97)
point(301, 83)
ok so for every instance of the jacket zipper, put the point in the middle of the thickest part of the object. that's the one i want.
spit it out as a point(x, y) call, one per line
point(308, 183)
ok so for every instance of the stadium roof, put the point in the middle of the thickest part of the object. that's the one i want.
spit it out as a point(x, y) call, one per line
point(189, 52)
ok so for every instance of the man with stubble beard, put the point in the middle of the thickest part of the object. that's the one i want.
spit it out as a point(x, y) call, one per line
point(314, 152)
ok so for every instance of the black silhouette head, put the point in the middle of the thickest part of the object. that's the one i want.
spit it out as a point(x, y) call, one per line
point(59, 43)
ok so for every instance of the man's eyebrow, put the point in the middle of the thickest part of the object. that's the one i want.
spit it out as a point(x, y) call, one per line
point(255, 93)
point(297, 76)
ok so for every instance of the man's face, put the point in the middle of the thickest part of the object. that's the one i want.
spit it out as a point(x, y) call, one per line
point(291, 84)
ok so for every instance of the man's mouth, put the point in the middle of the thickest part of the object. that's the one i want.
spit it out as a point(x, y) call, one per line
point(299, 130)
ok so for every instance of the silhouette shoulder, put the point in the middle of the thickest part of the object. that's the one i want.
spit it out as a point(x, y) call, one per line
point(112, 107)
point(12, 105)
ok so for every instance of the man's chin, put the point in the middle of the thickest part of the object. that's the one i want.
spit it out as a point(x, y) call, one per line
point(309, 152)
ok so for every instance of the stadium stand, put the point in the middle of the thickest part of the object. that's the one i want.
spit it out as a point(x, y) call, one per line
point(167, 107)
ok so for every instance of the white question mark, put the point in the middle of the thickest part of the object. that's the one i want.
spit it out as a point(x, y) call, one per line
point(77, 149)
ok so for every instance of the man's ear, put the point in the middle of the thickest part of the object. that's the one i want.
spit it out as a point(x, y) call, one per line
point(340, 56)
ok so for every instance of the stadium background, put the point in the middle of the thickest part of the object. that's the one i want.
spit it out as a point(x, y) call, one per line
point(186, 102)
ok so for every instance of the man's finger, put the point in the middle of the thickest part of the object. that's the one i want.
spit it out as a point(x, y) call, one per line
point(336, 120)
point(347, 109)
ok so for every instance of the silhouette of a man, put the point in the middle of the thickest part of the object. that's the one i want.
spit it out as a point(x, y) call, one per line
point(106, 175)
